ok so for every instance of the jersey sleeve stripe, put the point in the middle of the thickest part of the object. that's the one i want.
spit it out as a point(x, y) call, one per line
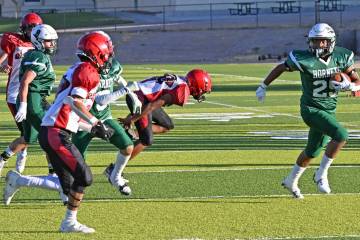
point(35, 63)
point(292, 57)
point(350, 59)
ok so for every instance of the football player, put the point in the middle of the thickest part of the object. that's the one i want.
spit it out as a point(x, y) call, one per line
point(74, 97)
point(157, 92)
point(101, 110)
point(37, 78)
point(318, 102)
point(14, 46)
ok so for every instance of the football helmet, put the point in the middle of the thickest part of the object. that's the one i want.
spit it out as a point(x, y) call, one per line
point(27, 23)
point(96, 47)
point(42, 33)
point(199, 83)
point(325, 32)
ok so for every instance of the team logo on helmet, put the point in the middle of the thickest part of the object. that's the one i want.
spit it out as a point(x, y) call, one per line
point(42, 33)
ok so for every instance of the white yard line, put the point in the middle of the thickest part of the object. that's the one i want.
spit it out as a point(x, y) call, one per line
point(231, 169)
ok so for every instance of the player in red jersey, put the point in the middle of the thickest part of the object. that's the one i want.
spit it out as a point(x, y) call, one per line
point(73, 100)
point(158, 92)
point(14, 46)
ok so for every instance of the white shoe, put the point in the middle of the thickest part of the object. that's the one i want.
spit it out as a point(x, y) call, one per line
point(75, 226)
point(20, 162)
point(2, 165)
point(322, 184)
point(108, 170)
point(125, 189)
point(293, 188)
point(11, 186)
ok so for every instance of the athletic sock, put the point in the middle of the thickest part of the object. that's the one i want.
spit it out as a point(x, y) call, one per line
point(120, 164)
point(47, 182)
point(323, 168)
point(6, 154)
point(70, 215)
point(296, 173)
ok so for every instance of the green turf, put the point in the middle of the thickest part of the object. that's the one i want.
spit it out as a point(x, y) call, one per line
point(217, 175)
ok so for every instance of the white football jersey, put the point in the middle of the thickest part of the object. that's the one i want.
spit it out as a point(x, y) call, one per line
point(80, 80)
point(155, 87)
point(16, 47)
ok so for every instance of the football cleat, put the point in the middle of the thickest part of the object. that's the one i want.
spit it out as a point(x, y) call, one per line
point(11, 186)
point(20, 161)
point(293, 188)
point(322, 184)
point(123, 189)
point(109, 170)
point(75, 226)
point(2, 165)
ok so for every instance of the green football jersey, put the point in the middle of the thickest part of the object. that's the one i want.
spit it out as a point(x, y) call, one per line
point(39, 63)
point(315, 76)
point(106, 86)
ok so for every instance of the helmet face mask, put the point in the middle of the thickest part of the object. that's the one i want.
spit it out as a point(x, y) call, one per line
point(199, 83)
point(321, 31)
point(41, 36)
point(98, 49)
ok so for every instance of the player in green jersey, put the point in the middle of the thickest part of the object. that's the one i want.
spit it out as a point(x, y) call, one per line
point(36, 79)
point(318, 101)
point(101, 110)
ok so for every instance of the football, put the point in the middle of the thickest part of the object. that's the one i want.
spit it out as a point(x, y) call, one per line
point(340, 76)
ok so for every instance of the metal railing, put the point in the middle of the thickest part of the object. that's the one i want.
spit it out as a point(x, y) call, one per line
point(231, 15)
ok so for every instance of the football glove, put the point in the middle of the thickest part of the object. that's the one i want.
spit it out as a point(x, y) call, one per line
point(133, 86)
point(21, 113)
point(345, 85)
point(133, 103)
point(102, 131)
point(261, 92)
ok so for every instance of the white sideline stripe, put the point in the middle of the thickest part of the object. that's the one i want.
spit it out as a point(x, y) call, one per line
point(47, 202)
point(281, 238)
point(305, 237)
point(252, 109)
point(232, 169)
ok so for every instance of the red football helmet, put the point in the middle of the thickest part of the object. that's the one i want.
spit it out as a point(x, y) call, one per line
point(97, 48)
point(199, 83)
point(27, 23)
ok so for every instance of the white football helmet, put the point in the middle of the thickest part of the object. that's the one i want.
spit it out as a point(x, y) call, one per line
point(322, 31)
point(41, 33)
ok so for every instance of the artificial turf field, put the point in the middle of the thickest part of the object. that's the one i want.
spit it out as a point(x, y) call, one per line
point(217, 175)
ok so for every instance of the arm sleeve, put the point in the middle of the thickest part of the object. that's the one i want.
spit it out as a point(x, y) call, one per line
point(181, 95)
point(105, 99)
